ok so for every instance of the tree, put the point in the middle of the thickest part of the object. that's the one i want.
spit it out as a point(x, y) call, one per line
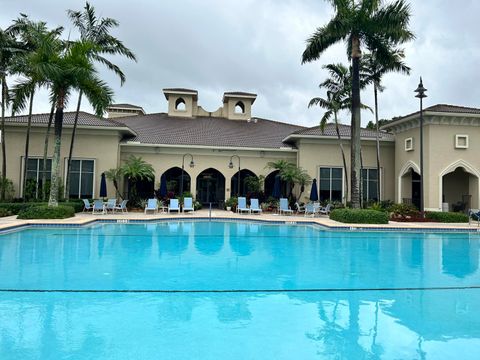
point(338, 85)
point(68, 68)
point(37, 41)
point(97, 31)
point(365, 23)
point(302, 179)
point(10, 48)
point(291, 174)
point(114, 175)
point(376, 67)
point(136, 169)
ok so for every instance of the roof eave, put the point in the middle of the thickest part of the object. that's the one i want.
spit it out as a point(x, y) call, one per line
point(292, 137)
point(137, 143)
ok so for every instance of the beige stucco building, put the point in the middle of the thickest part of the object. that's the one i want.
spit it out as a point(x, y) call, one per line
point(231, 135)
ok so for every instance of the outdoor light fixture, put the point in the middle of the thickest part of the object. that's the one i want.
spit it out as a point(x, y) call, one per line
point(192, 164)
point(230, 165)
point(421, 95)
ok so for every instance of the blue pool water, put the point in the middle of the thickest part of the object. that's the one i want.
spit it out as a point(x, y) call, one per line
point(304, 293)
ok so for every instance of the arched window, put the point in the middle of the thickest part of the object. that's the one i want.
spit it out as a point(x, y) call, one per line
point(239, 108)
point(180, 105)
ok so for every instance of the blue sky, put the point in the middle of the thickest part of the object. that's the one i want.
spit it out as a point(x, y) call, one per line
point(216, 45)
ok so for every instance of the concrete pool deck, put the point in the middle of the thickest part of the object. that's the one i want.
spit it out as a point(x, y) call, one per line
point(87, 218)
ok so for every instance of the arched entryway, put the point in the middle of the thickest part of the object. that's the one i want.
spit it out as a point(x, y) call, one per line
point(244, 174)
point(174, 179)
point(409, 185)
point(459, 186)
point(270, 184)
point(211, 187)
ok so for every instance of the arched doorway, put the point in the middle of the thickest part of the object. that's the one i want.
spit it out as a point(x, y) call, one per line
point(270, 184)
point(409, 185)
point(211, 187)
point(244, 174)
point(460, 188)
point(174, 179)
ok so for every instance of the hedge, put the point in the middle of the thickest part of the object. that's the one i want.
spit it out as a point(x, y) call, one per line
point(47, 212)
point(16, 208)
point(447, 217)
point(359, 216)
point(4, 212)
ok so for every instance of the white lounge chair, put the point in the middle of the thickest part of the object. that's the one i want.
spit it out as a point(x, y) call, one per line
point(242, 205)
point(152, 205)
point(173, 206)
point(299, 208)
point(188, 204)
point(325, 210)
point(255, 207)
point(86, 205)
point(122, 207)
point(110, 206)
point(98, 207)
point(284, 208)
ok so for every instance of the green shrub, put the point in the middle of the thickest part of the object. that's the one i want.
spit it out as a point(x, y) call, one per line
point(16, 208)
point(403, 211)
point(4, 213)
point(232, 202)
point(446, 217)
point(359, 216)
point(47, 212)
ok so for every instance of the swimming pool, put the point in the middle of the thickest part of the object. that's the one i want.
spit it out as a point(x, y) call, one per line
point(211, 290)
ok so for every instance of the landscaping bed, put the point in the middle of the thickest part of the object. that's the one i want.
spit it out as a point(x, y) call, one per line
point(47, 212)
point(359, 216)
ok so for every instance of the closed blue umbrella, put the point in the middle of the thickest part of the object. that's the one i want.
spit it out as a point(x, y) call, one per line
point(163, 186)
point(103, 186)
point(314, 191)
point(276, 188)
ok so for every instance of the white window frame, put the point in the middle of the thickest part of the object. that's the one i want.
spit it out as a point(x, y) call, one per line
point(458, 145)
point(22, 168)
point(379, 179)
point(409, 144)
point(343, 180)
point(67, 191)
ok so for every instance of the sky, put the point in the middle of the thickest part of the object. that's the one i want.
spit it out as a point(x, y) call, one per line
point(215, 46)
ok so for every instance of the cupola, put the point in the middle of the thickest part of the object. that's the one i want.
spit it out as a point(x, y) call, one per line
point(237, 105)
point(181, 102)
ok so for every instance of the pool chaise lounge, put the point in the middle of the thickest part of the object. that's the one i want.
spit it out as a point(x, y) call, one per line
point(284, 208)
point(152, 205)
point(188, 205)
point(173, 206)
point(255, 207)
point(242, 206)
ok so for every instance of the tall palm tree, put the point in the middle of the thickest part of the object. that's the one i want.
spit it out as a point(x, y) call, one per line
point(361, 23)
point(38, 42)
point(66, 69)
point(114, 176)
point(375, 68)
point(10, 48)
point(338, 86)
point(97, 31)
point(45, 151)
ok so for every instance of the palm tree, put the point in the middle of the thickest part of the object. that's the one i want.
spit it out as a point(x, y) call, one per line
point(38, 41)
point(338, 86)
point(66, 69)
point(45, 151)
point(10, 48)
point(114, 175)
point(362, 23)
point(303, 179)
point(375, 67)
point(96, 30)
point(136, 169)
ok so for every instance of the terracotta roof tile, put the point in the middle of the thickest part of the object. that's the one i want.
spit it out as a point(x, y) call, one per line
point(344, 130)
point(84, 119)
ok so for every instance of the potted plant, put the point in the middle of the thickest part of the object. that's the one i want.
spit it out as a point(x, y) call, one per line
point(231, 203)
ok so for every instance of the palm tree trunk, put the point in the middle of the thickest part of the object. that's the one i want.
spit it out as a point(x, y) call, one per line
point(72, 141)
point(45, 152)
point(355, 125)
point(343, 156)
point(4, 154)
point(375, 91)
point(361, 178)
point(27, 144)
point(55, 182)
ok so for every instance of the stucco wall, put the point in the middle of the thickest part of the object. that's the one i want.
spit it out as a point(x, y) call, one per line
point(96, 144)
point(164, 158)
point(315, 153)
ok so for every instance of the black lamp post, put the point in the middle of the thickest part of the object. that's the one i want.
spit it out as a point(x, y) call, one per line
point(421, 95)
point(192, 164)
point(230, 165)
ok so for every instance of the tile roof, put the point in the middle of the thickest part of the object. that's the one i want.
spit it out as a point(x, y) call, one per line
point(329, 130)
point(126, 106)
point(440, 108)
point(84, 119)
point(239, 93)
point(208, 131)
point(180, 90)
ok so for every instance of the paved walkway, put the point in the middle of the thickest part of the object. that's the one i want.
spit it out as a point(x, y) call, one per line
point(85, 218)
